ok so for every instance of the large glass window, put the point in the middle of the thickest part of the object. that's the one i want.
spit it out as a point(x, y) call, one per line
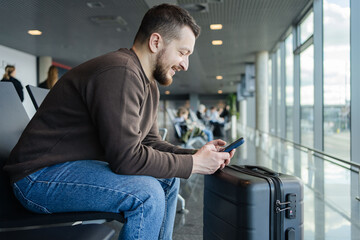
point(307, 96)
point(278, 91)
point(307, 28)
point(337, 78)
point(271, 124)
point(289, 90)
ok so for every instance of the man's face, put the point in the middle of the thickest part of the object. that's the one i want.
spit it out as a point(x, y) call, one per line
point(174, 57)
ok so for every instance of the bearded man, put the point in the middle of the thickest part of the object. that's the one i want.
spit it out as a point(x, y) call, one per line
point(93, 144)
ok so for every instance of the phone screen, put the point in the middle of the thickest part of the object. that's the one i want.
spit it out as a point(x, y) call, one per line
point(234, 145)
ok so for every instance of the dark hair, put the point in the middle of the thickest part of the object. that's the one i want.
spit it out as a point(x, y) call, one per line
point(9, 69)
point(165, 19)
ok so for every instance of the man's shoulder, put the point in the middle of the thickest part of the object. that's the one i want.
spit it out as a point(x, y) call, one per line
point(115, 58)
point(123, 58)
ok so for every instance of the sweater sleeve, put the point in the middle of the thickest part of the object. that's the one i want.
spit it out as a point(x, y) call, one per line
point(114, 99)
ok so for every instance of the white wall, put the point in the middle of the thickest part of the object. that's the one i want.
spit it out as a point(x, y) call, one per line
point(25, 65)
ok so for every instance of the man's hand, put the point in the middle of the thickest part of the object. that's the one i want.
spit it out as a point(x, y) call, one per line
point(209, 158)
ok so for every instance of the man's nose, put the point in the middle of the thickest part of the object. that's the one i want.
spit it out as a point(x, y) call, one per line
point(184, 64)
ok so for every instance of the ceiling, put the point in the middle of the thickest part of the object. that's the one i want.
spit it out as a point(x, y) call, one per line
point(73, 32)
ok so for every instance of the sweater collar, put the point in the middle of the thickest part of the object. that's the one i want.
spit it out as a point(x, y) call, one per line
point(138, 60)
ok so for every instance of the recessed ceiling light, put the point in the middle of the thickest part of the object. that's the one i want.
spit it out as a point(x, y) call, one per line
point(216, 26)
point(34, 32)
point(219, 77)
point(167, 92)
point(196, 7)
point(220, 91)
point(217, 42)
point(95, 4)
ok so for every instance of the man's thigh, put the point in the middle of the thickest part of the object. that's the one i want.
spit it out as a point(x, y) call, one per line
point(85, 185)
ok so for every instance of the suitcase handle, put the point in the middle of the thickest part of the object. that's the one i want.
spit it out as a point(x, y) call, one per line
point(262, 170)
point(257, 169)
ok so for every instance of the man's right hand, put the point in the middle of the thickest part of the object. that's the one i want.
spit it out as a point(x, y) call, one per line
point(208, 159)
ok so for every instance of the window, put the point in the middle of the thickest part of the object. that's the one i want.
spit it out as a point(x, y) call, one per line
point(271, 124)
point(307, 28)
point(337, 78)
point(278, 90)
point(307, 96)
point(289, 88)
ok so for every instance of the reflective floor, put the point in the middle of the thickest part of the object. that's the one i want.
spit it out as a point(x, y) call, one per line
point(331, 210)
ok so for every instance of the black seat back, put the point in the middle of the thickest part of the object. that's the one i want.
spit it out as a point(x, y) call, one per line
point(13, 120)
point(37, 95)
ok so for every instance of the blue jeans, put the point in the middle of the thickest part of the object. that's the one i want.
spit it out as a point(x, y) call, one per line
point(148, 204)
point(209, 134)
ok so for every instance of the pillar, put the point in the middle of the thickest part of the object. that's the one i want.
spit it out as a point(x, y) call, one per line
point(43, 66)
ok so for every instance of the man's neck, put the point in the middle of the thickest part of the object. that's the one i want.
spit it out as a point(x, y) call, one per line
point(145, 61)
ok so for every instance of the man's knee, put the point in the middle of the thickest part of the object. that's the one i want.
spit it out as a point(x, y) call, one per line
point(154, 200)
point(170, 184)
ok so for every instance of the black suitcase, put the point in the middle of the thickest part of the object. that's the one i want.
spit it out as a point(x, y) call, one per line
point(252, 203)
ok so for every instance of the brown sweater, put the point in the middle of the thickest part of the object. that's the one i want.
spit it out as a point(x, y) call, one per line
point(104, 109)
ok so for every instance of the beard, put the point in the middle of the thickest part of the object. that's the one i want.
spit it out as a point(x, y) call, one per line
point(160, 73)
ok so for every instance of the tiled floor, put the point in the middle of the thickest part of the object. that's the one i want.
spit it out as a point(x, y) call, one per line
point(331, 211)
point(190, 225)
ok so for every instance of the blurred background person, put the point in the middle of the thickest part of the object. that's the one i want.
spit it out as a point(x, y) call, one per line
point(189, 128)
point(225, 114)
point(201, 114)
point(9, 76)
point(52, 78)
point(217, 122)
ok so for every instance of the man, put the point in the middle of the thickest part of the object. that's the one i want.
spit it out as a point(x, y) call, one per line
point(93, 145)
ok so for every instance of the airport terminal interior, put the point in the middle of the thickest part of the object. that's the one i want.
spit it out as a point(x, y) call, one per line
point(282, 74)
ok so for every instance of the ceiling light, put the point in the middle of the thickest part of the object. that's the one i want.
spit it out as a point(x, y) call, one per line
point(217, 42)
point(34, 32)
point(219, 77)
point(216, 26)
point(220, 91)
point(109, 20)
point(196, 7)
point(167, 92)
point(95, 4)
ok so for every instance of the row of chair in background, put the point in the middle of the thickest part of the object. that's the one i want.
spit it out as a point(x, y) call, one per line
point(15, 220)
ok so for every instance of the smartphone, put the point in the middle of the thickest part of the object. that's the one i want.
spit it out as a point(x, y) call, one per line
point(234, 145)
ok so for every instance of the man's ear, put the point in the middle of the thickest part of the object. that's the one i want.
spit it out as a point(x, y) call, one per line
point(155, 42)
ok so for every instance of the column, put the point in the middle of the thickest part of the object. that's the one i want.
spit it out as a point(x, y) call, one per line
point(243, 123)
point(261, 83)
point(194, 101)
point(355, 110)
point(44, 62)
point(262, 103)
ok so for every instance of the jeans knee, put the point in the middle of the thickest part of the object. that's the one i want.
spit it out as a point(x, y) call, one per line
point(154, 202)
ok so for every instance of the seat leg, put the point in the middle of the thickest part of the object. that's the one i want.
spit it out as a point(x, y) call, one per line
point(183, 210)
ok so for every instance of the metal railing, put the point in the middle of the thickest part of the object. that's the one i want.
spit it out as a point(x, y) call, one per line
point(354, 167)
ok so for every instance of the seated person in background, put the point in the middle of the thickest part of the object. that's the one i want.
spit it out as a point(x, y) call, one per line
point(201, 114)
point(225, 114)
point(215, 116)
point(94, 143)
point(52, 78)
point(188, 127)
point(9, 76)
point(217, 122)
